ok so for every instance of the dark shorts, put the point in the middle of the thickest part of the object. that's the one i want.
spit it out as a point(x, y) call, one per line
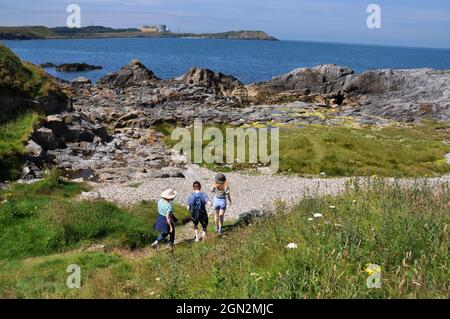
point(200, 217)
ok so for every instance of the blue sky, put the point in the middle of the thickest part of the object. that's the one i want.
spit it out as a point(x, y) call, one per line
point(404, 22)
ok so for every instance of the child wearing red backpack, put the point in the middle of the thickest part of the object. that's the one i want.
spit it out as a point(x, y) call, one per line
point(196, 204)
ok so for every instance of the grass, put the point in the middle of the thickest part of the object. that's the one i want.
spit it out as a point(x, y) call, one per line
point(355, 151)
point(27, 32)
point(44, 218)
point(402, 229)
point(24, 80)
point(13, 137)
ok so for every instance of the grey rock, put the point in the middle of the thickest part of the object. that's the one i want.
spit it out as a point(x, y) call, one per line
point(219, 83)
point(135, 73)
point(45, 138)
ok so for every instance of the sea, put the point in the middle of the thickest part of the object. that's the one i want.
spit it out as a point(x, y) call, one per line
point(249, 61)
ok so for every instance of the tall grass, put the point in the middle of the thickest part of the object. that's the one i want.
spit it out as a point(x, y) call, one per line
point(44, 218)
point(403, 229)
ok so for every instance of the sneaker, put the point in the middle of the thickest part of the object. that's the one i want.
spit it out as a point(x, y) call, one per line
point(155, 245)
point(197, 239)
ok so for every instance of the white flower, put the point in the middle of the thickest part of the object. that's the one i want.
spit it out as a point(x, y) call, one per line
point(158, 279)
point(332, 207)
point(310, 219)
point(253, 274)
point(292, 246)
point(318, 215)
point(354, 201)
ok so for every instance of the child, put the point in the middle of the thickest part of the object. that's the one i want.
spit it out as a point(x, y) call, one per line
point(222, 192)
point(165, 222)
point(196, 204)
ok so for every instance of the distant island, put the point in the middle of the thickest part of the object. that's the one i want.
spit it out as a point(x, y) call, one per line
point(41, 32)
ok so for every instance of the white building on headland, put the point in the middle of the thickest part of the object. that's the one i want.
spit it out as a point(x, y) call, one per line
point(155, 28)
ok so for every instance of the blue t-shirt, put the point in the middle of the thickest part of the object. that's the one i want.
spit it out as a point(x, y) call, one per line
point(164, 207)
point(191, 200)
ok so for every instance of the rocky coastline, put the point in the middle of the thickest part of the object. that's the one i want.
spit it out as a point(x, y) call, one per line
point(110, 133)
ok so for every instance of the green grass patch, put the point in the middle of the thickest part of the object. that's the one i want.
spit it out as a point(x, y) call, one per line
point(13, 137)
point(44, 218)
point(349, 151)
point(402, 229)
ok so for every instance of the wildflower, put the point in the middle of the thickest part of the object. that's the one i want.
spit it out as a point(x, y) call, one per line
point(253, 274)
point(372, 269)
point(158, 279)
point(323, 174)
point(354, 202)
point(332, 207)
point(292, 246)
point(310, 219)
point(318, 215)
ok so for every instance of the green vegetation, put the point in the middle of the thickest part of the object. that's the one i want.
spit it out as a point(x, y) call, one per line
point(13, 137)
point(65, 31)
point(20, 85)
point(355, 151)
point(23, 79)
point(26, 33)
point(38, 32)
point(44, 218)
point(404, 230)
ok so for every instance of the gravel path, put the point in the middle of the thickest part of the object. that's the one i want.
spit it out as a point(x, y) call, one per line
point(248, 192)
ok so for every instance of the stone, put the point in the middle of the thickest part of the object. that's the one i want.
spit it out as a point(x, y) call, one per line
point(135, 73)
point(77, 67)
point(219, 83)
point(45, 138)
point(81, 81)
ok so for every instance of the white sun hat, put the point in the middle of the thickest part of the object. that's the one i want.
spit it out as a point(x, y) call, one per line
point(169, 194)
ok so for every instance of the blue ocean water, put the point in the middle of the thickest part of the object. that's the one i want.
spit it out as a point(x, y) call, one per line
point(249, 61)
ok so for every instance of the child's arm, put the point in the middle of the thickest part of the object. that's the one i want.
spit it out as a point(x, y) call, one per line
point(229, 198)
point(169, 221)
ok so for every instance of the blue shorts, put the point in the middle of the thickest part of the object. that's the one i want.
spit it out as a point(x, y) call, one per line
point(220, 203)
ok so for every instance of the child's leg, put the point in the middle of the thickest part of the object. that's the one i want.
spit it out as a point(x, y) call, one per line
point(196, 231)
point(172, 237)
point(217, 219)
point(204, 228)
point(159, 239)
point(221, 218)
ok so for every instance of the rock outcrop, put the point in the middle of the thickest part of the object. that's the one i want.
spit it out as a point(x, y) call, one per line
point(218, 83)
point(133, 74)
point(320, 79)
point(401, 95)
point(77, 67)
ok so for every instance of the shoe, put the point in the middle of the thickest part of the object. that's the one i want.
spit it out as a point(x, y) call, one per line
point(171, 246)
point(197, 239)
point(155, 245)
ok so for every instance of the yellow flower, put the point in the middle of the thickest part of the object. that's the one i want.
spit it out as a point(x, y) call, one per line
point(372, 269)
